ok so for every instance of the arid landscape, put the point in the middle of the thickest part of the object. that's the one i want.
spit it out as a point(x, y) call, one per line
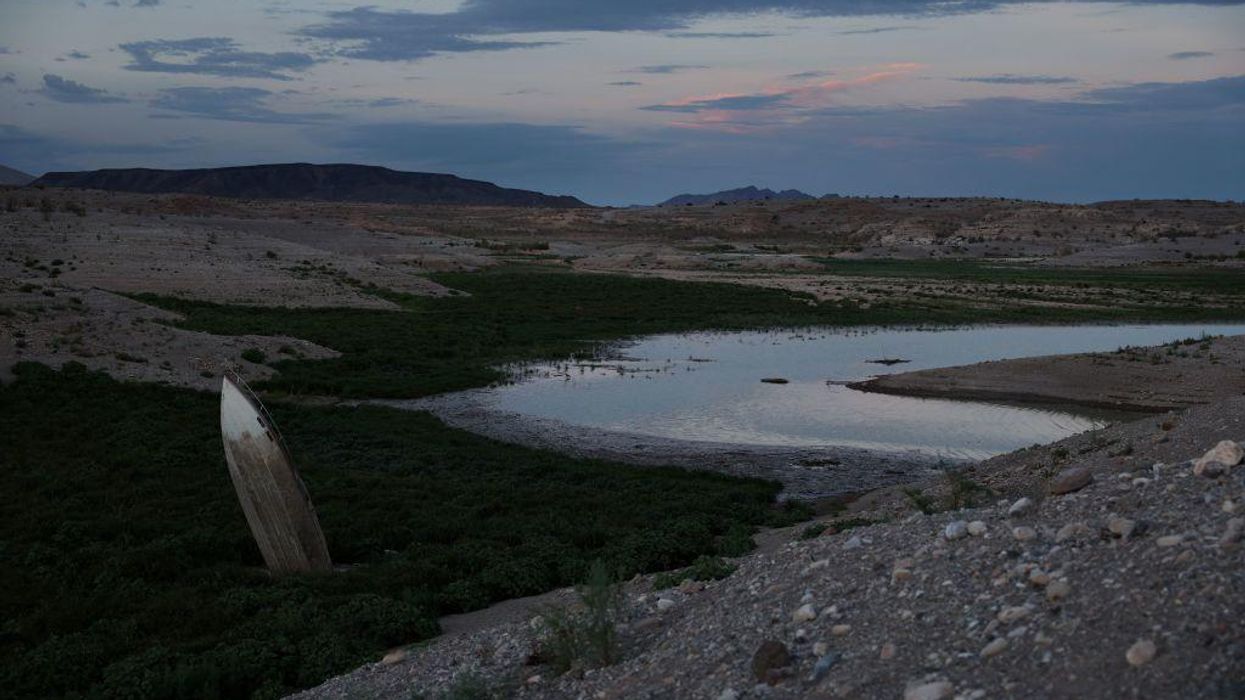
point(326, 307)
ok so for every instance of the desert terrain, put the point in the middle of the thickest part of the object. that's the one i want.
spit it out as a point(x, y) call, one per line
point(935, 585)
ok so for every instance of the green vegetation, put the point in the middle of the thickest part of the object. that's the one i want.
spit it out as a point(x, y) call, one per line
point(584, 638)
point(127, 570)
point(705, 568)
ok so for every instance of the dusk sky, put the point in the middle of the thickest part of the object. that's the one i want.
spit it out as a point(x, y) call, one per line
point(632, 102)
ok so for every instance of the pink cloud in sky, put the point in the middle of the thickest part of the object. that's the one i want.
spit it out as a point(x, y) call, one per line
point(1027, 153)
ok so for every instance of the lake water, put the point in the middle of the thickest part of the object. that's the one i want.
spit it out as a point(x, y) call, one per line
point(707, 387)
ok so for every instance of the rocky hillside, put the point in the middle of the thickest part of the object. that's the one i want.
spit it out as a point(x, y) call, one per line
point(9, 176)
point(305, 181)
point(743, 194)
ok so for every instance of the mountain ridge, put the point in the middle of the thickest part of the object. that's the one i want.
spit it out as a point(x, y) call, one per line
point(338, 182)
point(13, 176)
point(751, 193)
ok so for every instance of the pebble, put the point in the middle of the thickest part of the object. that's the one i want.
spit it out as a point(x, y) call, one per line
point(770, 656)
point(1020, 507)
point(728, 694)
point(994, 648)
point(1070, 480)
point(840, 630)
point(1073, 531)
point(887, 652)
point(1012, 614)
point(1169, 540)
point(822, 667)
point(1057, 590)
point(937, 690)
point(1141, 652)
point(1024, 533)
point(393, 657)
point(821, 649)
point(1121, 527)
point(955, 530)
point(664, 604)
point(853, 542)
point(804, 613)
point(1038, 577)
point(900, 575)
point(1232, 533)
point(977, 528)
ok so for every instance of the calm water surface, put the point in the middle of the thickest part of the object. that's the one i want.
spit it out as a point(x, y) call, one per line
point(707, 386)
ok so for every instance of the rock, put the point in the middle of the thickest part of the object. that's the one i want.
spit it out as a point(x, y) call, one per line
point(1141, 652)
point(728, 694)
point(887, 652)
point(1232, 533)
point(1121, 527)
point(1211, 469)
point(394, 656)
point(1226, 453)
point(853, 542)
point(937, 690)
point(1012, 614)
point(821, 649)
point(1020, 507)
point(664, 604)
point(1057, 590)
point(1073, 531)
point(1039, 578)
point(899, 575)
point(1070, 480)
point(690, 586)
point(804, 613)
point(955, 530)
point(1169, 540)
point(840, 630)
point(1024, 533)
point(994, 648)
point(977, 528)
point(822, 667)
point(770, 656)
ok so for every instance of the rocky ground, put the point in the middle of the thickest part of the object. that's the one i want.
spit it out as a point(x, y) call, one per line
point(1108, 565)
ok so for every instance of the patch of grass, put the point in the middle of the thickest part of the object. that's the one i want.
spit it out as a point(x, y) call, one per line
point(254, 355)
point(920, 501)
point(126, 567)
point(813, 531)
point(705, 568)
point(587, 637)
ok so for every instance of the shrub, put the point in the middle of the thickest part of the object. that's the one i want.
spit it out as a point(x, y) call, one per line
point(254, 355)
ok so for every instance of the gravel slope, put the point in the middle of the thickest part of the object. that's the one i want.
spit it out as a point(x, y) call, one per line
point(1049, 600)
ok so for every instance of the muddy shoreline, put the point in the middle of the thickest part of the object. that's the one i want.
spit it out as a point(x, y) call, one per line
point(809, 474)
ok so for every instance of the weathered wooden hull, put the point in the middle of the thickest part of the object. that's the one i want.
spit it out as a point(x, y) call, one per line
point(272, 495)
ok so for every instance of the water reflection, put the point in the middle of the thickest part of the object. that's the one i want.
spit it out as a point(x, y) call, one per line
point(708, 386)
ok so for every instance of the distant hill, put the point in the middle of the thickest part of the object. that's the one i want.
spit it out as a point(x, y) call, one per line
point(9, 176)
point(743, 194)
point(334, 183)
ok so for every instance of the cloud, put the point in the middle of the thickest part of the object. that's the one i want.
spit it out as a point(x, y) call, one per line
point(719, 35)
point(1012, 79)
point(667, 68)
point(810, 74)
point(876, 30)
point(65, 90)
point(146, 3)
point(77, 55)
point(213, 56)
point(235, 104)
point(8, 79)
point(625, 83)
point(402, 35)
point(777, 98)
point(1185, 55)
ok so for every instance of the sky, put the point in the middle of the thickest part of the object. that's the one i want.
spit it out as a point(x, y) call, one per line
point(632, 102)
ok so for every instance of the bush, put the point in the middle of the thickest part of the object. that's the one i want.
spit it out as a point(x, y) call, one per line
point(254, 355)
point(584, 638)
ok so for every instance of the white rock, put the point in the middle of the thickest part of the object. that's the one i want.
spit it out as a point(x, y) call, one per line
point(1073, 531)
point(938, 690)
point(728, 694)
point(1012, 614)
point(853, 542)
point(804, 613)
point(840, 630)
point(1141, 652)
point(1227, 453)
point(1121, 527)
point(1232, 533)
point(1169, 540)
point(1020, 507)
point(664, 604)
point(1057, 590)
point(1024, 533)
point(955, 530)
point(994, 648)
point(977, 528)
point(393, 657)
